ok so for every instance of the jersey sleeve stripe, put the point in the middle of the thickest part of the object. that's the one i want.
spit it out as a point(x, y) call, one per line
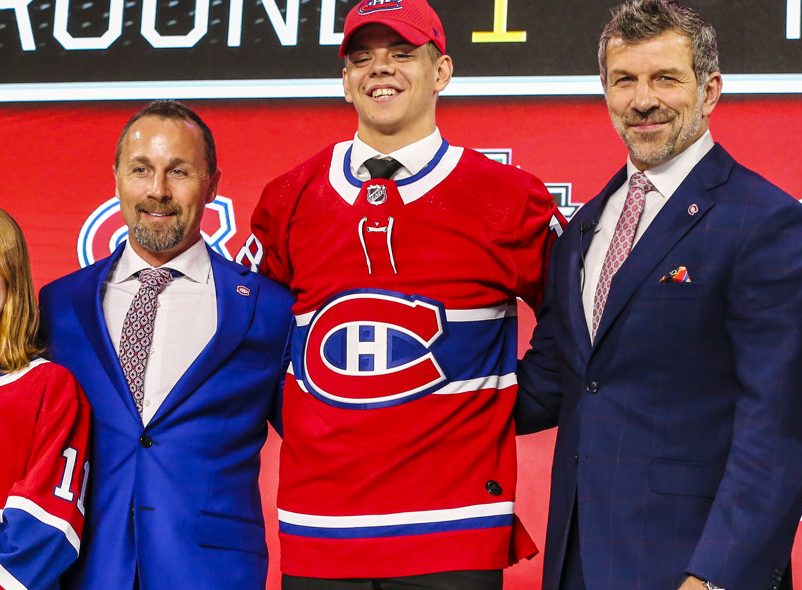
point(9, 582)
point(40, 514)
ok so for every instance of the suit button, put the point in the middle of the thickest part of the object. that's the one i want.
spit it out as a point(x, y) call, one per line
point(576, 457)
point(592, 386)
point(145, 441)
point(493, 487)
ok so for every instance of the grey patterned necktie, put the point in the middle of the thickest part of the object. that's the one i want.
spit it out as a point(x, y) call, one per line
point(137, 334)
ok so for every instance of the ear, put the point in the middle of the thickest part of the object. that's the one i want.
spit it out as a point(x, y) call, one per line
point(347, 86)
point(445, 70)
point(713, 88)
point(116, 182)
point(213, 182)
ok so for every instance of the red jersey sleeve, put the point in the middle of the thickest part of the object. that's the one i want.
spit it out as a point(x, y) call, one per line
point(534, 228)
point(272, 219)
point(270, 224)
point(43, 514)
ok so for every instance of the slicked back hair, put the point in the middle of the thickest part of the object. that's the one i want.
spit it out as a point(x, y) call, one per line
point(640, 20)
point(174, 110)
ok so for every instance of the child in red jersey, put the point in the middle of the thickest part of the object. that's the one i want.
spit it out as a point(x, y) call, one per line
point(44, 435)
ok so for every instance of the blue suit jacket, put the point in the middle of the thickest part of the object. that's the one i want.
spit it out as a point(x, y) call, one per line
point(680, 429)
point(179, 499)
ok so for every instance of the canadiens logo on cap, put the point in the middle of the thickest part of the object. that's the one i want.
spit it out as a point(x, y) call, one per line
point(371, 6)
point(415, 20)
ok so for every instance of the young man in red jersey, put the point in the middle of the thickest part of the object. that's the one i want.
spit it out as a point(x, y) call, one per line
point(405, 256)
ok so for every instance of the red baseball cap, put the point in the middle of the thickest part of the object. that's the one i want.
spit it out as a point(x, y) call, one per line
point(414, 20)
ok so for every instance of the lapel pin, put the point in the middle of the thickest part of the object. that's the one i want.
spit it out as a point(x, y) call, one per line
point(693, 209)
point(243, 290)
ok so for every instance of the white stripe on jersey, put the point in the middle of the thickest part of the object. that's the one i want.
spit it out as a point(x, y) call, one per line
point(482, 314)
point(497, 382)
point(399, 518)
point(9, 582)
point(11, 377)
point(43, 516)
point(452, 315)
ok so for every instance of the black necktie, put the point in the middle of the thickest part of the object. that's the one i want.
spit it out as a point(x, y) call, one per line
point(382, 167)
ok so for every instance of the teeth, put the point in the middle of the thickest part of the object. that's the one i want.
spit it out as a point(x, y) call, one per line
point(383, 92)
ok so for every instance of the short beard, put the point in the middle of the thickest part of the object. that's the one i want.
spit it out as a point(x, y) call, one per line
point(159, 240)
point(681, 138)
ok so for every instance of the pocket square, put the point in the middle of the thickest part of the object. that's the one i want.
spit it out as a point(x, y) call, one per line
point(677, 275)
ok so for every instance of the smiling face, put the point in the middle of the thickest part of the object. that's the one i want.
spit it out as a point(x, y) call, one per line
point(163, 185)
point(393, 86)
point(654, 99)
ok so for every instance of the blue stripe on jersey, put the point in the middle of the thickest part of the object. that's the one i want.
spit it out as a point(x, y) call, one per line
point(467, 350)
point(34, 553)
point(354, 181)
point(482, 522)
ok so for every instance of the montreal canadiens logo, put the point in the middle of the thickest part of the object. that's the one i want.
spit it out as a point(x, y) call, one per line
point(105, 229)
point(373, 348)
point(372, 6)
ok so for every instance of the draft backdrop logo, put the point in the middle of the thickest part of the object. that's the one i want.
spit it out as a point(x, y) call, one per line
point(105, 229)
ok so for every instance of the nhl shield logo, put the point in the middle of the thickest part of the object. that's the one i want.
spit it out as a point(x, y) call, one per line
point(377, 194)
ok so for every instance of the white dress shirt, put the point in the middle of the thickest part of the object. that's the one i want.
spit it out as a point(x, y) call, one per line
point(186, 318)
point(666, 178)
point(413, 157)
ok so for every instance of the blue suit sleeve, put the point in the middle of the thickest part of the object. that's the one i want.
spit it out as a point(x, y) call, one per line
point(751, 526)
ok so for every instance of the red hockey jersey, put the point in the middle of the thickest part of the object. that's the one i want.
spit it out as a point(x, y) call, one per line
point(44, 435)
point(399, 448)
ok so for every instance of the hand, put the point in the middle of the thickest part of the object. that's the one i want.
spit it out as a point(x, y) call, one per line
point(692, 583)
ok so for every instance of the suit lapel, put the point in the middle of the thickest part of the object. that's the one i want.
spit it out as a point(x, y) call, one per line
point(235, 308)
point(684, 209)
point(579, 237)
point(88, 305)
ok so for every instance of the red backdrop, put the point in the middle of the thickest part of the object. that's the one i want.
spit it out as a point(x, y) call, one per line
point(56, 161)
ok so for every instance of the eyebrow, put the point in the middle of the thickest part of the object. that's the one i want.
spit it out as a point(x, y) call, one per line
point(657, 73)
point(394, 45)
point(145, 160)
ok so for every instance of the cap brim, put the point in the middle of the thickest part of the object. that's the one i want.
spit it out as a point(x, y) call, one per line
point(408, 32)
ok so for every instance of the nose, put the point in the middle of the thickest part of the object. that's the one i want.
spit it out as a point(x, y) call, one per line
point(159, 187)
point(381, 64)
point(644, 99)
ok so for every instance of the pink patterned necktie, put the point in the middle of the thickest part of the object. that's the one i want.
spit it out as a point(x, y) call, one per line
point(621, 244)
point(138, 330)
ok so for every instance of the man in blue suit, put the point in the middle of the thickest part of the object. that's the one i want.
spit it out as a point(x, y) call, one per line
point(181, 400)
point(669, 346)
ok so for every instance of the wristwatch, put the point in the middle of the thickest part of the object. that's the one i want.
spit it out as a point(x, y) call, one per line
point(710, 585)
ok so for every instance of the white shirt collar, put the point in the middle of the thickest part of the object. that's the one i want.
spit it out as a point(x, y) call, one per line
point(413, 157)
point(194, 263)
point(667, 177)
